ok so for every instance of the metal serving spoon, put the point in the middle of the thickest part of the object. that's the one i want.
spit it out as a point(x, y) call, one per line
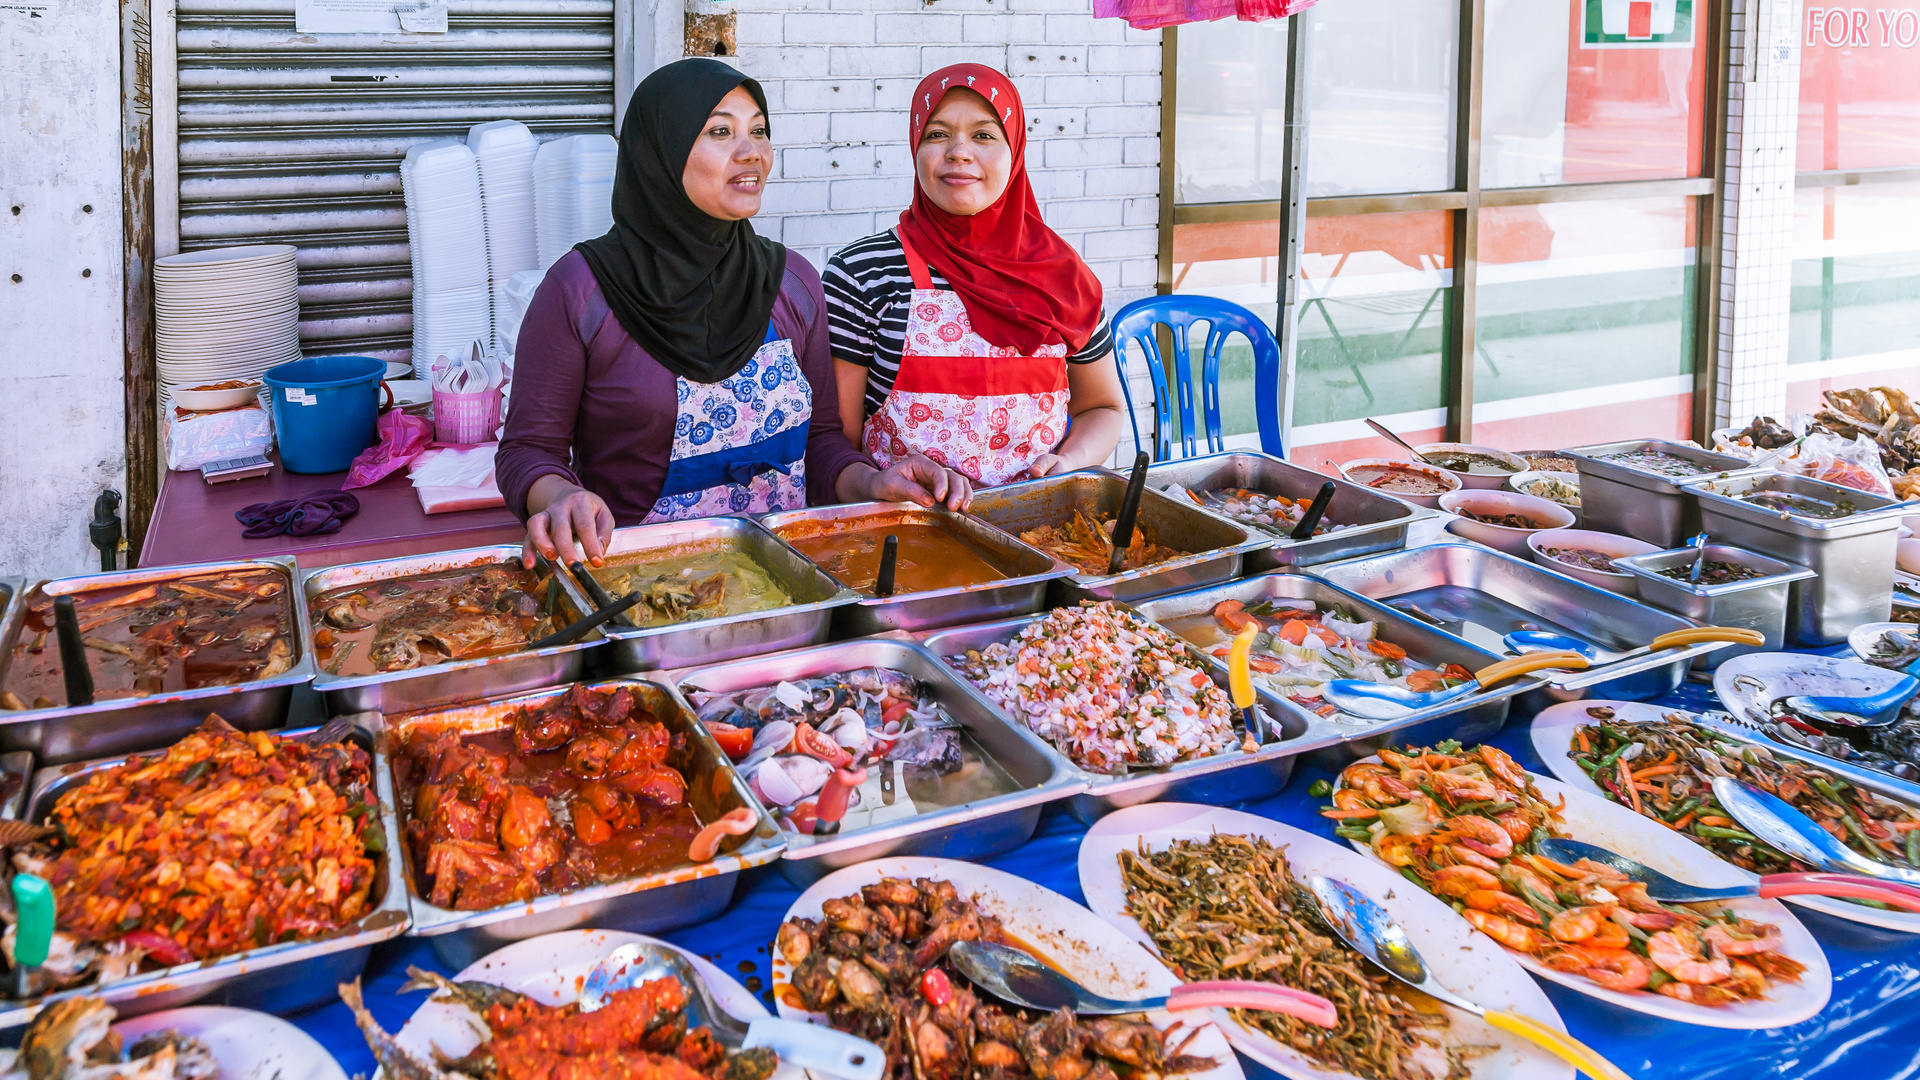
point(1788, 830)
point(1768, 886)
point(1372, 932)
point(808, 1046)
point(1378, 701)
point(1525, 641)
point(1018, 977)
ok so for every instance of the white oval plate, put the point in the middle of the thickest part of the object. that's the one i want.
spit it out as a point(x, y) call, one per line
point(1553, 737)
point(1461, 959)
point(1748, 684)
point(551, 969)
point(1062, 932)
point(1616, 828)
point(248, 1045)
point(1863, 637)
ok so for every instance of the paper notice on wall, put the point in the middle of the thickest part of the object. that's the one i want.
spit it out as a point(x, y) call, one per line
point(369, 16)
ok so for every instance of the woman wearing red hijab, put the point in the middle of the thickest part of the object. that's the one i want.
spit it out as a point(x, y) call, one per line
point(972, 334)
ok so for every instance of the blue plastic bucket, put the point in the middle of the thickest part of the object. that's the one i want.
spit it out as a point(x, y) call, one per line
point(324, 410)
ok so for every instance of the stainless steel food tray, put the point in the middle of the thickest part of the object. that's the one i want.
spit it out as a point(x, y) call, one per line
point(1374, 522)
point(1217, 545)
point(1611, 623)
point(114, 726)
point(1755, 604)
point(16, 780)
point(680, 896)
point(455, 680)
point(1022, 592)
point(974, 831)
point(1852, 557)
point(708, 641)
point(1233, 776)
point(1646, 506)
point(1474, 718)
point(279, 978)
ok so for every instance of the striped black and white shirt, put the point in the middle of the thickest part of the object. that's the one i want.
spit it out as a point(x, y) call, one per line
point(869, 292)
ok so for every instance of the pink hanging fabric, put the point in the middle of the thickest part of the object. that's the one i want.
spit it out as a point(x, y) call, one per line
point(1154, 14)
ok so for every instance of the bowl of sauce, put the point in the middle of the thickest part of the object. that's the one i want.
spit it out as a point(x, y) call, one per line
point(1502, 520)
point(1419, 484)
point(1476, 466)
point(1589, 555)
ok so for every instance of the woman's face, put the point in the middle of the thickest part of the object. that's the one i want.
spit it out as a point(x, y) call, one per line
point(963, 160)
point(727, 170)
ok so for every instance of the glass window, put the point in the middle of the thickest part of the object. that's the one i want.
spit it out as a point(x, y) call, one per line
point(1229, 110)
point(1372, 329)
point(1859, 88)
point(1380, 100)
point(1578, 91)
point(1584, 322)
point(1235, 261)
point(1856, 290)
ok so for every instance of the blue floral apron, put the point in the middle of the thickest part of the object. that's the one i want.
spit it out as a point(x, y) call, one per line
point(740, 445)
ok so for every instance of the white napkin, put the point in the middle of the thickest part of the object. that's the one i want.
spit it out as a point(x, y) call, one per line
point(448, 467)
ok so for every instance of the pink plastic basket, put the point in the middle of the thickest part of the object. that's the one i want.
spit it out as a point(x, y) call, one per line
point(466, 418)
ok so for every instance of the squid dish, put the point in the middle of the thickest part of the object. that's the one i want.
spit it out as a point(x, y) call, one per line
point(875, 965)
point(214, 629)
point(584, 789)
point(226, 842)
point(640, 1033)
point(425, 619)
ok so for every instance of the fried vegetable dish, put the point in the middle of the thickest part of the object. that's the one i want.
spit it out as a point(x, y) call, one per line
point(1086, 544)
point(875, 964)
point(425, 619)
point(639, 1033)
point(214, 629)
point(1665, 771)
point(1227, 907)
point(584, 789)
point(73, 1039)
point(1466, 826)
point(226, 842)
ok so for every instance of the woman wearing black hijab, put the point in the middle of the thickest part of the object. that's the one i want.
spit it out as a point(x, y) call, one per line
point(677, 367)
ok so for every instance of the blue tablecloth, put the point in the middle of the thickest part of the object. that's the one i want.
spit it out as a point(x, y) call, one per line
point(1865, 1033)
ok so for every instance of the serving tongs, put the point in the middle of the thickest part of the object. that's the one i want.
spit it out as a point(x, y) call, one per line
point(1023, 979)
point(1767, 886)
point(598, 593)
point(1531, 642)
point(578, 628)
point(807, 1046)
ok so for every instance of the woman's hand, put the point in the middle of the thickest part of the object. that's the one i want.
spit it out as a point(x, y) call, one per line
point(914, 479)
point(575, 524)
point(1048, 465)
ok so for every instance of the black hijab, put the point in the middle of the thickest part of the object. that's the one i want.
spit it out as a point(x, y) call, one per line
point(695, 291)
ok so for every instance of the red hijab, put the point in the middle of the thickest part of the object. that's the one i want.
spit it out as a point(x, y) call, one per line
point(1022, 285)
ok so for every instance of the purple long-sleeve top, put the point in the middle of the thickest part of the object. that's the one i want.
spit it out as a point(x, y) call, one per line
point(591, 406)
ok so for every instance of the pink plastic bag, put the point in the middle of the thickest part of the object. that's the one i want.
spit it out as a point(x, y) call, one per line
point(402, 438)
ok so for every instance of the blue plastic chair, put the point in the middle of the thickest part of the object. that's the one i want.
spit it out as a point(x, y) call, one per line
point(1136, 323)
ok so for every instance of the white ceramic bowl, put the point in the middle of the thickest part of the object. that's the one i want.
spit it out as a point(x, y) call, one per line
point(1613, 544)
point(1479, 480)
point(1549, 515)
point(1442, 476)
point(215, 400)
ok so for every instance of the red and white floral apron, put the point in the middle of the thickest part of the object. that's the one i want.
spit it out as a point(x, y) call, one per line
point(984, 410)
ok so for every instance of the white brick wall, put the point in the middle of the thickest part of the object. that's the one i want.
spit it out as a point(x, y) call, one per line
point(837, 75)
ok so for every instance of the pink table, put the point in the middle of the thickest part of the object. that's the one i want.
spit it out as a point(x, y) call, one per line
point(193, 522)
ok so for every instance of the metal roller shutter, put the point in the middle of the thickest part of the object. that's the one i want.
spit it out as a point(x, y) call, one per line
point(297, 139)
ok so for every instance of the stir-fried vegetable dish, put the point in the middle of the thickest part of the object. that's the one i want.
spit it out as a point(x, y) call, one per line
point(1465, 826)
point(1086, 544)
point(1227, 907)
point(875, 964)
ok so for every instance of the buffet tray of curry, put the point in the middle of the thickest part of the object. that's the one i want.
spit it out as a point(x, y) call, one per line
point(712, 589)
point(164, 647)
point(1139, 713)
point(1175, 544)
point(597, 804)
point(1313, 631)
point(1269, 497)
point(945, 774)
point(950, 568)
point(281, 850)
point(396, 635)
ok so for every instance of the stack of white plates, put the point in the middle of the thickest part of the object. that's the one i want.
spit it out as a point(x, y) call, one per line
point(447, 238)
point(505, 150)
point(573, 192)
point(224, 313)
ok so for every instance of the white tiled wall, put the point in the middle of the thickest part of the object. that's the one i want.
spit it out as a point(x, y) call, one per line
point(1756, 248)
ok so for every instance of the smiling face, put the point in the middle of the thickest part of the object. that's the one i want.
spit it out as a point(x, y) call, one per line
point(727, 169)
point(963, 160)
